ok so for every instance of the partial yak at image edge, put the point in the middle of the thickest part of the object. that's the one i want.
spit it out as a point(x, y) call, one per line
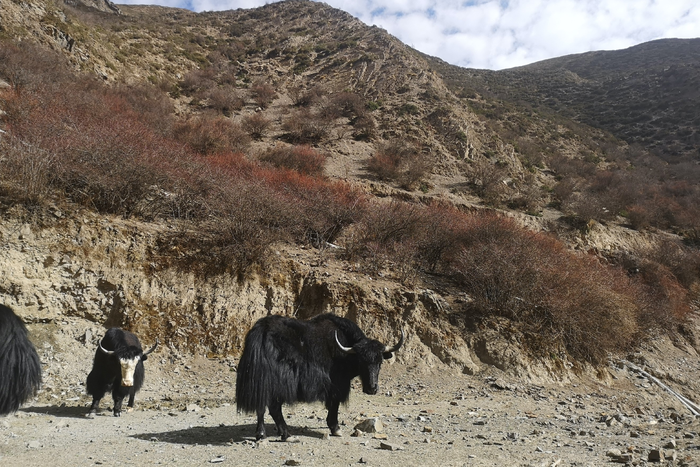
point(20, 367)
point(286, 360)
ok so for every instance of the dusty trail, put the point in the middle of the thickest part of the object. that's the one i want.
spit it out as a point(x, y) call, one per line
point(429, 418)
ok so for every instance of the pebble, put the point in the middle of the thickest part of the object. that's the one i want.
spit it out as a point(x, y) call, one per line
point(389, 447)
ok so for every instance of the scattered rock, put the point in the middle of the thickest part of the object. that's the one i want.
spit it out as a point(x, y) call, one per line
point(193, 408)
point(389, 447)
point(370, 425)
point(656, 455)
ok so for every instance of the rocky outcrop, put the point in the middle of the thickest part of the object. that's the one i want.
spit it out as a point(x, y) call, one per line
point(101, 5)
point(102, 270)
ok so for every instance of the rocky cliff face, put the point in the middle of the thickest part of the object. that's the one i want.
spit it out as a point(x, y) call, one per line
point(100, 272)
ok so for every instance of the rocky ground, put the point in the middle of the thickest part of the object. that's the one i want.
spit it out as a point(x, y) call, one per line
point(424, 415)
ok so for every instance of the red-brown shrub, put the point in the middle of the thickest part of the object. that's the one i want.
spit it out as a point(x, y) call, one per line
point(303, 159)
point(553, 295)
point(400, 161)
point(208, 135)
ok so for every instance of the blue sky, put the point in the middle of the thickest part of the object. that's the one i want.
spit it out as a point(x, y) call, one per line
point(498, 34)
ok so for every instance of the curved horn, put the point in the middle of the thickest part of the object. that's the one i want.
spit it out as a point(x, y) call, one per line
point(396, 346)
point(153, 348)
point(347, 350)
point(108, 352)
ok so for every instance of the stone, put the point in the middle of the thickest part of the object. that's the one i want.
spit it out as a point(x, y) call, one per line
point(656, 455)
point(370, 425)
point(193, 408)
point(389, 447)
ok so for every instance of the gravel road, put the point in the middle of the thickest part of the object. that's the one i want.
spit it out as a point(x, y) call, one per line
point(425, 416)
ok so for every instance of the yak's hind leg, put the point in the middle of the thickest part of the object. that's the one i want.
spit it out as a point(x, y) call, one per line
point(276, 413)
point(260, 429)
point(332, 418)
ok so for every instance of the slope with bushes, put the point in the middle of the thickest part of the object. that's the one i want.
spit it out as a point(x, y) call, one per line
point(230, 142)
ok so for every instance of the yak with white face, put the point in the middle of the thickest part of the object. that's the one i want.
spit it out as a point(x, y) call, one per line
point(118, 366)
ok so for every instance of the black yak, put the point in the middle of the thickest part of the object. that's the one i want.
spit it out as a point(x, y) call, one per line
point(118, 365)
point(20, 368)
point(287, 360)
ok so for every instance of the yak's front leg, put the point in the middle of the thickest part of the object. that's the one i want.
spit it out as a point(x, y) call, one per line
point(132, 396)
point(276, 413)
point(95, 405)
point(332, 418)
point(118, 397)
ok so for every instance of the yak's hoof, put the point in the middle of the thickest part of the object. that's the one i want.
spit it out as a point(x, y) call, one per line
point(291, 439)
point(337, 433)
point(91, 414)
point(117, 414)
point(129, 409)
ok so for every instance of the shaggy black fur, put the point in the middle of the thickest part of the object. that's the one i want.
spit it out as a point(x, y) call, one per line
point(20, 368)
point(106, 371)
point(286, 361)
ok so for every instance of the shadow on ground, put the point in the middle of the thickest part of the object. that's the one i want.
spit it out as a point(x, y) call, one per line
point(59, 411)
point(221, 435)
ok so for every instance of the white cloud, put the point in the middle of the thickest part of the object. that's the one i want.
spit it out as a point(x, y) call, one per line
point(506, 33)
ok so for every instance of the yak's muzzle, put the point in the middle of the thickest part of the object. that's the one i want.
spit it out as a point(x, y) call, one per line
point(128, 369)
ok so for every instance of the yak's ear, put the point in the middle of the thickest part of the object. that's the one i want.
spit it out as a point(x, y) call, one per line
point(144, 357)
point(387, 355)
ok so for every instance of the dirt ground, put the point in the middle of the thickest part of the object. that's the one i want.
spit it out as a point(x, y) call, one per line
point(186, 415)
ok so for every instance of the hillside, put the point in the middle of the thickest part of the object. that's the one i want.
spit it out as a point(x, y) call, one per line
point(182, 174)
point(644, 95)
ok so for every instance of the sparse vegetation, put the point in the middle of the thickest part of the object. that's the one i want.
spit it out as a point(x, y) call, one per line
point(401, 162)
point(69, 139)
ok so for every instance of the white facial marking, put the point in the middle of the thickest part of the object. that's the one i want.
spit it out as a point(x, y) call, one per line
point(128, 368)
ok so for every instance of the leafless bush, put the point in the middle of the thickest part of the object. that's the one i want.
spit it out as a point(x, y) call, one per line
point(263, 94)
point(554, 295)
point(303, 159)
point(305, 98)
point(365, 127)
point(197, 81)
point(487, 179)
point(305, 127)
point(224, 99)
point(25, 171)
point(212, 135)
point(400, 161)
point(256, 125)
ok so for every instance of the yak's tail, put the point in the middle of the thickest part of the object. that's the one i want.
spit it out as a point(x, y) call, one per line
point(261, 378)
point(20, 368)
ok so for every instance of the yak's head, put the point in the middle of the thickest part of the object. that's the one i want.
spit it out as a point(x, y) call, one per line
point(370, 354)
point(129, 358)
